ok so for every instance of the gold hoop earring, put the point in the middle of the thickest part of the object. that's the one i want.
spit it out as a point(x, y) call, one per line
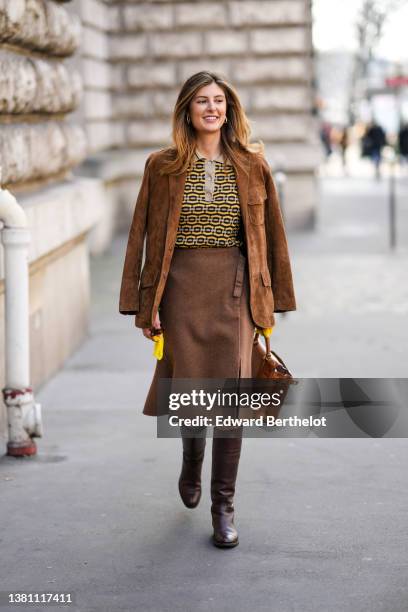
point(188, 119)
point(226, 119)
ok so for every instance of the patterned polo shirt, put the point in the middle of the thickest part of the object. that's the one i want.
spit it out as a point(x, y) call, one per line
point(210, 213)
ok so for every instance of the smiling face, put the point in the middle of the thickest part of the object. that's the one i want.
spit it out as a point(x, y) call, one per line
point(208, 109)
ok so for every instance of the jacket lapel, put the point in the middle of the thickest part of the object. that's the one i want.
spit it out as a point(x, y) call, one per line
point(176, 193)
point(243, 186)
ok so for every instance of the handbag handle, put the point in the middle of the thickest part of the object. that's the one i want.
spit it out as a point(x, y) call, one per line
point(267, 342)
point(270, 352)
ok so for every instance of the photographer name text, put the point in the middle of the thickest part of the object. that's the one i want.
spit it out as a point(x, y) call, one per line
point(260, 421)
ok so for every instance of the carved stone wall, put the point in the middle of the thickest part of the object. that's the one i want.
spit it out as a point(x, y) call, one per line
point(39, 25)
point(38, 151)
point(38, 92)
point(32, 85)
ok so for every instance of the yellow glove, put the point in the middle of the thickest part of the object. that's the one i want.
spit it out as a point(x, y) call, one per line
point(264, 331)
point(158, 346)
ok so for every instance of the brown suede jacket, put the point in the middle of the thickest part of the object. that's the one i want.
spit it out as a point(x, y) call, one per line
point(156, 216)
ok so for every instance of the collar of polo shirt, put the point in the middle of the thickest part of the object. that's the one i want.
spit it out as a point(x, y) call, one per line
point(220, 157)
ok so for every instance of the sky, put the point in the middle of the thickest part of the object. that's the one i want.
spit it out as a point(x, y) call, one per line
point(334, 28)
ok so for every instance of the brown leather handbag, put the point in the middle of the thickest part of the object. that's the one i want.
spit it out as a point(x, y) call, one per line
point(267, 365)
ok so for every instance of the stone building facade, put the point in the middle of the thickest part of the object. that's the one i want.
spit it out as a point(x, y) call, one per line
point(87, 90)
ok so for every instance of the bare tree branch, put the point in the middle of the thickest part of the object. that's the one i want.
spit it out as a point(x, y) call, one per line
point(370, 26)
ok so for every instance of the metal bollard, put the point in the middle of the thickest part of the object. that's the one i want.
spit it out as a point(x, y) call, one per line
point(392, 208)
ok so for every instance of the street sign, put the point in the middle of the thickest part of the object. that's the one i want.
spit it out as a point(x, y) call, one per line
point(397, 81)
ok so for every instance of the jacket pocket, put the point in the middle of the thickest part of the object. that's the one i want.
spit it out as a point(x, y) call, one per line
point(256, 206)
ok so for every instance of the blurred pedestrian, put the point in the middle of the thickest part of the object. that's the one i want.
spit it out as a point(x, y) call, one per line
point(373, 143)
point(344, 142)
point(325, 137)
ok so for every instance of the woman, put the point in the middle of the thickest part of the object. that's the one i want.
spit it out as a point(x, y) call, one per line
point(216, 266)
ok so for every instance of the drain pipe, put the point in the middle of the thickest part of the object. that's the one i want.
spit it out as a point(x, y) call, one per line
point(23, 414)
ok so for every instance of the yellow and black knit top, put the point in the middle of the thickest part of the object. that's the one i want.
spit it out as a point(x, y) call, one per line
point(210, 213)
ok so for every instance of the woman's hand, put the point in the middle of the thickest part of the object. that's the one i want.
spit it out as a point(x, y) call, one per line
point(147, 331)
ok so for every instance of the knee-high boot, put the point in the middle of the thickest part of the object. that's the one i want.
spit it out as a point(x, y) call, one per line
point(190, 477)
point(225, 459)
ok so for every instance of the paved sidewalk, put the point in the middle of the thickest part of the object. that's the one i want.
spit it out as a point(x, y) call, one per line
point(322, 522)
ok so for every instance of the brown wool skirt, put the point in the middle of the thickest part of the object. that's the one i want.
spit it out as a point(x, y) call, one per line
point(205, 314)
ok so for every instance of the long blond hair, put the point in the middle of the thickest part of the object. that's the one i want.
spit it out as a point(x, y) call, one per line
point(234, 134)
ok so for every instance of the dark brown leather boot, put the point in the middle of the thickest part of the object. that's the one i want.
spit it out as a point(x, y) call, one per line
point(225, 459)
point(190, 477)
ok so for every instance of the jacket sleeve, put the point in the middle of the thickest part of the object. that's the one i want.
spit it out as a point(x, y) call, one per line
point(277, 248)
point(129, 291)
